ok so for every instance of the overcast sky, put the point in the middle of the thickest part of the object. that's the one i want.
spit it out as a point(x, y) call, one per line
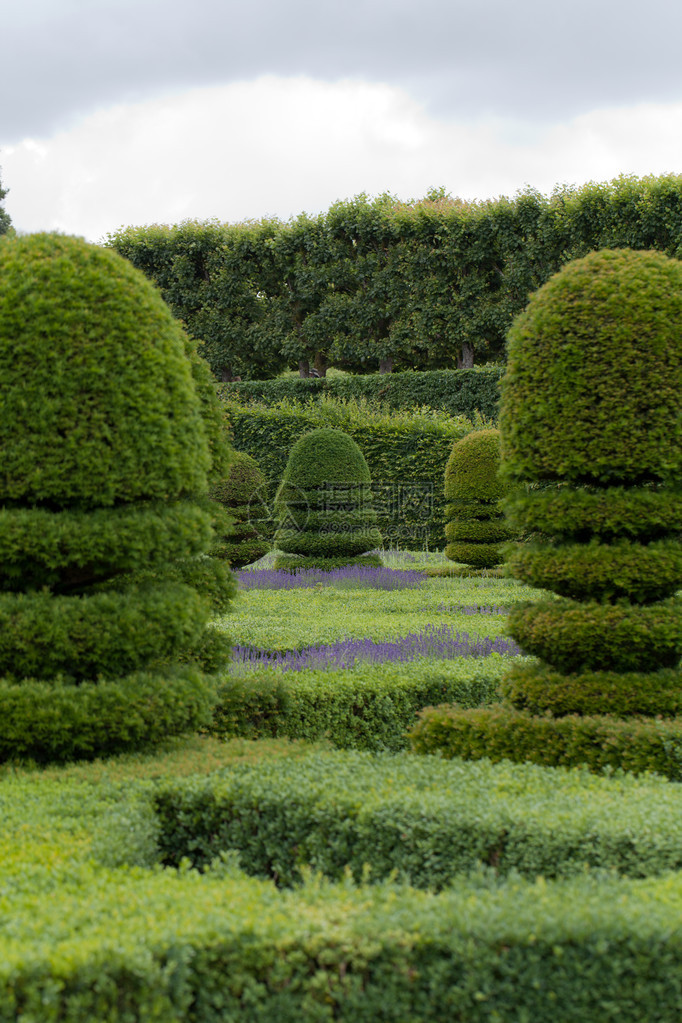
point(120, 112)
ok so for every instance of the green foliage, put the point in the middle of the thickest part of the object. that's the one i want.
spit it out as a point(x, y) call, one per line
point(298, 618)
point(324, 502)
point(473, 482)
point(427, 285)
point(529, 685)
point(110, 429)
point(61, 721)
point(458, 392)
point(89, 933)
point(102, 635)
point(622, 570)
point(406, 454)
point(243, 492)
point(426, 819)
point(594, 370)
point(221, 281)
point(592, 636)
point(5, 219)
point(68, 550)
point(368, 706)
point(91, 357)
point(569, 513)
point(592, 437)
point(598, 742)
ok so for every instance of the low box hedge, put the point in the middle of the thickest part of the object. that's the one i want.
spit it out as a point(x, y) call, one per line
point(368, 706)
point(182, 948)
point(456, 391)
point(423, 818)
point(600, 742)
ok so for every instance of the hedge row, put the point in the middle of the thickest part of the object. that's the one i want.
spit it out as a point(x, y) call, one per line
point(459, 392)
point(368, 706)
point(182, 947)
point(498, 732)
point(426, 819)
point(406, 459)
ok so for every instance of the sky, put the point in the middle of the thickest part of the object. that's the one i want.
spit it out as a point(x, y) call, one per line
point(129, 112)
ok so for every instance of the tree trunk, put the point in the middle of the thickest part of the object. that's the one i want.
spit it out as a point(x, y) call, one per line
point(303, 368)
point(386, 365)
point(320, 364)
point(466, 360)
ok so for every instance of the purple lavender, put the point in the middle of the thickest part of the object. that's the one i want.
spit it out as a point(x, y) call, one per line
point(353, 575)
point(440, 642)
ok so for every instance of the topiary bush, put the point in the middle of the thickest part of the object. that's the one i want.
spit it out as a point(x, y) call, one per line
point(108, 430)
point(243, 493)
point(475, 527)
point(324, 511)
point(591, 427)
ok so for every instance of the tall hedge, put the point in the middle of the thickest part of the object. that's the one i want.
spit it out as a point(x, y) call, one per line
point(380, 283)
point(592, 435)
point(475, 526)
point(325, 515)
point(107, 442)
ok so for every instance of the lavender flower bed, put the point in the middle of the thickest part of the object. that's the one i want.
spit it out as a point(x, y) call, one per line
point(356, 576)
point(439, 642)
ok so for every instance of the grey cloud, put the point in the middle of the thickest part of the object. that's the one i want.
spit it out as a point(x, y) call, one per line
point(537, 60)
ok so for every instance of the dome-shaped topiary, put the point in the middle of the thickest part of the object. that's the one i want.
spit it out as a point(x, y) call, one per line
point(108, 431)
point(590, 410)
point(99, 404)
point(591, 390)
point(475, 527)
point(324, 510)
point(243, 492)
point(591, 426)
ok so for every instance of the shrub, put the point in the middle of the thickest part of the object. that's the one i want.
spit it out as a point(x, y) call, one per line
point(475, 527)
point(592, 441)
point(324, 502)
point(426, 819)
point(243, 492)
point(109, 428)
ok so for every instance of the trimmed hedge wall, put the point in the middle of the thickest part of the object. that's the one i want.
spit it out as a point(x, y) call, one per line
point(636, 744)
point(406, 461)
point(460, 392)
point(180, 947)
point(369, 707)
point(427, 819)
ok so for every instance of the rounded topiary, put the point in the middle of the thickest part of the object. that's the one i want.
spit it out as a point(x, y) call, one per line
point(99, 406)
point(589, 412)
point(475, 527)
point(108, 430)
point(323, 506)
point(591, 390)
point(243, 493)
point(591, 427)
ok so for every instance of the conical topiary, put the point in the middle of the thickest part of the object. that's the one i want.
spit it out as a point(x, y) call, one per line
point(475, 526)
point(243, 493)
point(106, 443)
point(591, 427)
point(323, 507)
